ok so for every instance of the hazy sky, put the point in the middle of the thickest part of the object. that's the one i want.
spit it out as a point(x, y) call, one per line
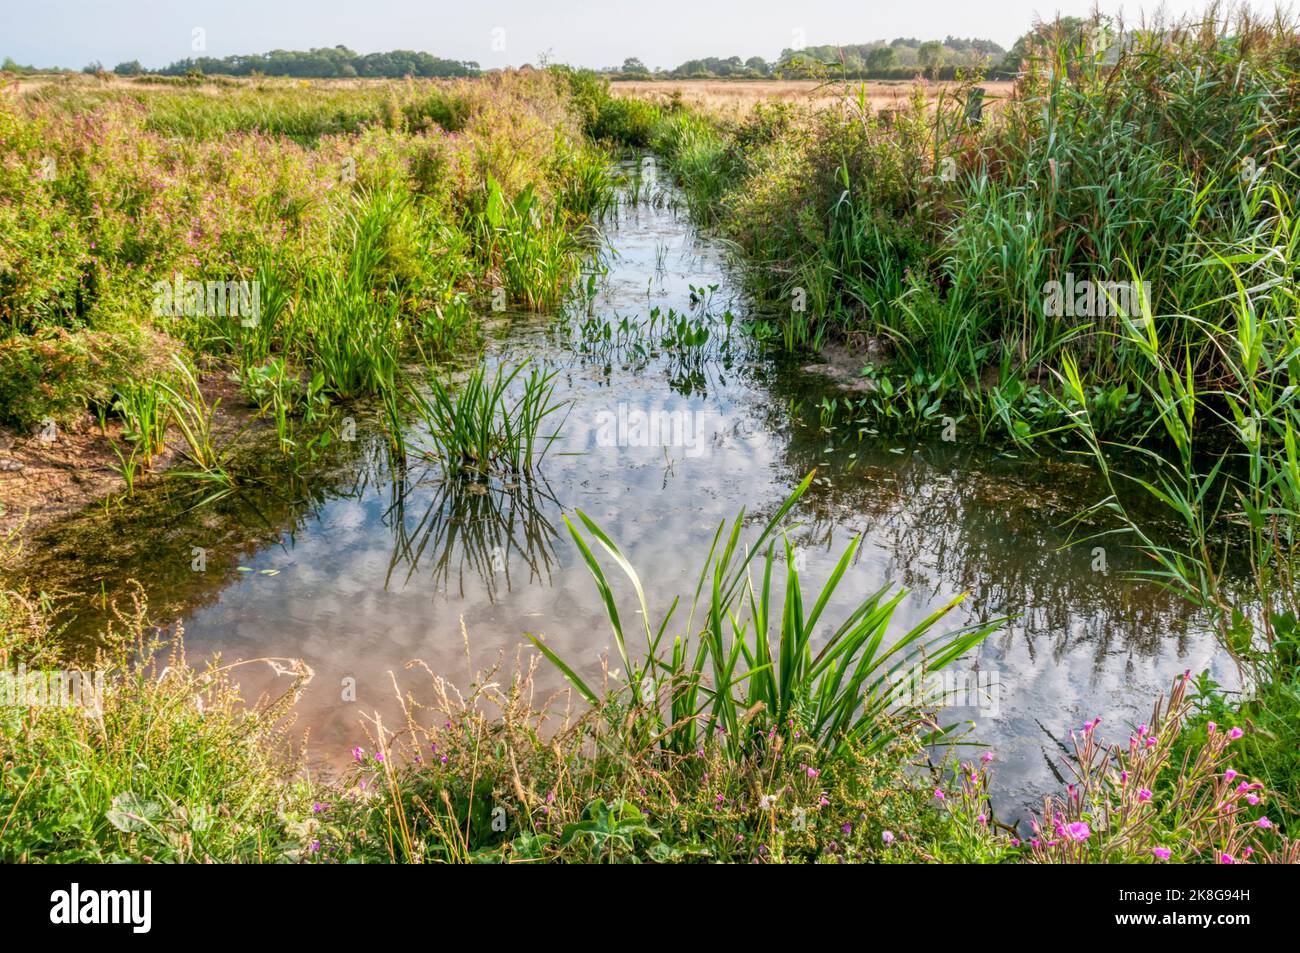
point(505, 32)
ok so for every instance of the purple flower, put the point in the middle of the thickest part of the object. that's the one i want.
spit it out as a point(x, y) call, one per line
point(1079, 830)
point(1144, 794)
point(1235, 733)
point(887, 837)
point(314, 846)
point(1227, 859)
point(317, 807)
point(938, 795)
point(1229, 774)
point(986, 757)
point(1162, 853)
point(358, 753)
point(1264, 823)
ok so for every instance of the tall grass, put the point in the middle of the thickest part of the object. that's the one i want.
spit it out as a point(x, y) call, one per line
point(145, 413)
point(1241, 500)
point(491, 422)
point(749, 668)
point(174, 767)
point(937, 236)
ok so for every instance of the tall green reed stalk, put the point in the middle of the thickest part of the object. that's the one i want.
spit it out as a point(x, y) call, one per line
point(489, 422)
point(745, 663)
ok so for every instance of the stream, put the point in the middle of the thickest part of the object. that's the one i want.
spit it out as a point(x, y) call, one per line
point(365, 571)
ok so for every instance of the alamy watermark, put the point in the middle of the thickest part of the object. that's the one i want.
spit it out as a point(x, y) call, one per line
point(214, 299)
point(52, 689)
point(627, 426)
point(1072, 298)
point(948, 688)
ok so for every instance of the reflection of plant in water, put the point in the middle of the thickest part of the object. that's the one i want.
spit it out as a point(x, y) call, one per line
point(691, 349)
point(474, 527)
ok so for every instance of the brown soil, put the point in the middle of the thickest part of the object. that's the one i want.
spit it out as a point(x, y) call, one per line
point(43, 479)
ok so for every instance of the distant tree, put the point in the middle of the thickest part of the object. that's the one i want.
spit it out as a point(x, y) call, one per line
point(93, 67)
point(129, 68)
point(758, 66)
point(930, 55)
point(327, 62)
point(882, 58)
point(634, 65)
point(1069, 30)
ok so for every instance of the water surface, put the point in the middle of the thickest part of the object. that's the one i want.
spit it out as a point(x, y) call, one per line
point(365, 569)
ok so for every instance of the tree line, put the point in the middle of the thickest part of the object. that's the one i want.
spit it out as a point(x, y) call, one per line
point(902, 57)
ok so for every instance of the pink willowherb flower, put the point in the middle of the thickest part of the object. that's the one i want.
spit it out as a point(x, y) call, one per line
point(1144, 794)
point(1264, 823)
point(1079, 831)
point(1161, 853)
point(938, 795)
point(1235, 733)
point(1227, 859)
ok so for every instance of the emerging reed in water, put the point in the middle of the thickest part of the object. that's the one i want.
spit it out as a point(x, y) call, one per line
point(491, 422)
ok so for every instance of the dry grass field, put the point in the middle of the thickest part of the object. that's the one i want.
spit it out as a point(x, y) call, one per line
point(733, 95)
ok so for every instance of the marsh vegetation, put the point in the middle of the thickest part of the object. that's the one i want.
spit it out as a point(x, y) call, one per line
point(559, 375)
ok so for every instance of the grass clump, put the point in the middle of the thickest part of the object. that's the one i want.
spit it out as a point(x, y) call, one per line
point(172, 768)
point(490, 422)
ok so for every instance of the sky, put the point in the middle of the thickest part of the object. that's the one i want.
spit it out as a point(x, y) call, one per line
point(662, 33)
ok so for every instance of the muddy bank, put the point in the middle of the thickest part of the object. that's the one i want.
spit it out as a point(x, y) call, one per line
point(59, 471)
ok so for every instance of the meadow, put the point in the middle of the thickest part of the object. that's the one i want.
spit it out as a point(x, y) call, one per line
point(734, 96)
point(1096, 263)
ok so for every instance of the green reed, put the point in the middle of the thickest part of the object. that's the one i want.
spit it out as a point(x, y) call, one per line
point(490, 422)
point(745, 663)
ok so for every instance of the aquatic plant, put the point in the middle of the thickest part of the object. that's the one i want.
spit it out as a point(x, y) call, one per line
point(487, 422)
point(748, 671)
